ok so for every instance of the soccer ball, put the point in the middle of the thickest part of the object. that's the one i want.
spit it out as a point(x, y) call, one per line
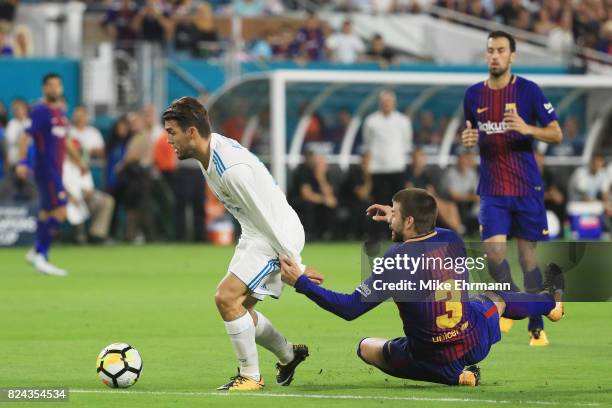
point(119, 365)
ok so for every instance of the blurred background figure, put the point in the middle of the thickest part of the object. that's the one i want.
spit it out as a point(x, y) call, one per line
point(387, 136)
point(86, 205)
point(315, 199)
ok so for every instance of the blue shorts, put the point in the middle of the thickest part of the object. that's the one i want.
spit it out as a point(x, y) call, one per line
point(51, 191)
point(521, 217)
point(404, 363)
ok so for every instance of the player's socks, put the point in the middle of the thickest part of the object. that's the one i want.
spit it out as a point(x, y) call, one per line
point(533, 280)
point(45, 231)
point(268, 337)
point(242, 335)
point(522, 305)
point(534, 284)
point(501, 273)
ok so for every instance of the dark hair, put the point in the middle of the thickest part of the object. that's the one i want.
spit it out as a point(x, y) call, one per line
point(188, 112)
point(503, 34)
point(50, 76)
point(420, 205)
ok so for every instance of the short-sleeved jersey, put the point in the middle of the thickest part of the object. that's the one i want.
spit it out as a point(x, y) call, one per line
point(507, 162)
point(440, 322)
point(49, 129)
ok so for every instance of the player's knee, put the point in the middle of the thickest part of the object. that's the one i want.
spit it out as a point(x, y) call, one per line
point(368, 352)
point(226, 301)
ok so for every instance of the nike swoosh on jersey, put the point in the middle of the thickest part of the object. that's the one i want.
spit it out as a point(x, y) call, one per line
point(480, 110)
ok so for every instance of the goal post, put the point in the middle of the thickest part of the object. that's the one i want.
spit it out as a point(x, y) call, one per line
point(280, 106)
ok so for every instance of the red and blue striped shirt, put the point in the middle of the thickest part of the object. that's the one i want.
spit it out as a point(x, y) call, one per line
point(507, 163)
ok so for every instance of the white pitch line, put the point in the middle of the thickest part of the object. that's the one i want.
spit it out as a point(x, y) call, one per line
point(332, 396)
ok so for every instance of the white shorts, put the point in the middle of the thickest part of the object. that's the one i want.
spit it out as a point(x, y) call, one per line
point(257, 265)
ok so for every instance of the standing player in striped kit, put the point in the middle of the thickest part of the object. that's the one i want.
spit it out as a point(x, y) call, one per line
point(501, 115)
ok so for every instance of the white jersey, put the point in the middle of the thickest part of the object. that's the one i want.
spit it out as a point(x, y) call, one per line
point(249, 192)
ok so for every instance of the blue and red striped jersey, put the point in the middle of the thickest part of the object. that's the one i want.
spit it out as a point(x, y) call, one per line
point(507, 163)
point(441, 322)
point(49, 130)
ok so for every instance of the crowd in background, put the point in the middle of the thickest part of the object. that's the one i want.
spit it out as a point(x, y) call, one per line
point(189, 27)
point(136, 190)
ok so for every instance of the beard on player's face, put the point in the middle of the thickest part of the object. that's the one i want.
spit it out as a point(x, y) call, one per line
point(498, 70)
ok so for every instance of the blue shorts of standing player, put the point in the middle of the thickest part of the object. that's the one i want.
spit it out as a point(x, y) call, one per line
point(51, 191)
point(521, 217)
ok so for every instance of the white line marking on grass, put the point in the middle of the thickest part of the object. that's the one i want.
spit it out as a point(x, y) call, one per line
point(331, 396)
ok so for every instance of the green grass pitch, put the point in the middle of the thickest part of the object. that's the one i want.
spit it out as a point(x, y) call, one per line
point(159, 298)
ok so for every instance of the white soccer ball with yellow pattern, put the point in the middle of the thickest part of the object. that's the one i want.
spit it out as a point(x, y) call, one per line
point(119, 365)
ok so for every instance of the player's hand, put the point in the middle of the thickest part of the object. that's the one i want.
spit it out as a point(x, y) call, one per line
point(290, 271)
point(469, 136)
point(21, 171)
point(515, 123)
point(315, 276)
point(379, 212)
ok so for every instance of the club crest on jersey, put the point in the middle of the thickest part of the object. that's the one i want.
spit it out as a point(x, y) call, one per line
point(510, 107)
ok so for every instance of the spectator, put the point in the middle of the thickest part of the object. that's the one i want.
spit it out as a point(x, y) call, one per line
point(356, 197)
point(387, 136)
point(572, 143)
point(459, 184)
point(189, 192)
point(85, 203)
point(118, 140)
point(335, 133)
point(7, 10)
point(22, 42)
point(507, 11)
point(3, 159)
point(522, 20)
point(310, 40)
point(90, 139)
point(427, 133)
point(3, 116)
point(14, 130)
point(204, 34)
point(163, 159)
point(261, 49)
point(118, 24)
point(316, 201)
point(6, 50)
point(605, 44)
point(476, 9)
point(554, 195)
point(543, 24)
point(248, 8)
point(152, 23)
point(379, 52)
point(561, 37)
point(417, 176)
point(182, 17)
point(590, 183)
point(284, 47)
point(345, 46)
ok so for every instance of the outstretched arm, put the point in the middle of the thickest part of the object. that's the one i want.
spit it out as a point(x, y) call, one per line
point(346, 306)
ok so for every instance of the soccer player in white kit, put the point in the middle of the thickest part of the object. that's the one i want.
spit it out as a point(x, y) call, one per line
point(270, 228)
